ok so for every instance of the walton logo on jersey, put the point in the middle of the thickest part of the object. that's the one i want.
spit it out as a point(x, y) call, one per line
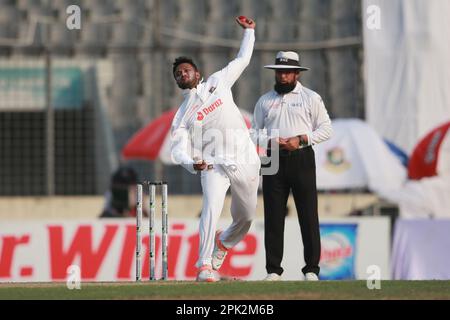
point(201, 114)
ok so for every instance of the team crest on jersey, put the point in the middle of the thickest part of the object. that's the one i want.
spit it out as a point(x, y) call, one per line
point(200, 116)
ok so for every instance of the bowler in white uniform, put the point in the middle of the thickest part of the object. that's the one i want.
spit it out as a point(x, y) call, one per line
point(209, 135)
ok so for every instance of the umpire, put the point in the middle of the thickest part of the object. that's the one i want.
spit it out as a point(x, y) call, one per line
point(302, 120)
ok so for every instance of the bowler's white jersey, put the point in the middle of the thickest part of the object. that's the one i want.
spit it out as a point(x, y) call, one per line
point(208, 125)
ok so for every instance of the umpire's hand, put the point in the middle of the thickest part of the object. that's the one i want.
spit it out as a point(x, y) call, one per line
point(245, 22)
point(293, 143)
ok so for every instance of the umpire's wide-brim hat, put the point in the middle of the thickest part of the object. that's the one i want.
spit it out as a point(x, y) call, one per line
point(286, 60)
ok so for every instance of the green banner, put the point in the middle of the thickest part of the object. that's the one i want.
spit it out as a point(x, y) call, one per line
point(25, 87)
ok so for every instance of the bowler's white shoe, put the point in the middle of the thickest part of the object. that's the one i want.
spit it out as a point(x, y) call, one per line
point(311, 276)
point(207, 274)
point(219, 253)
point(272, 277)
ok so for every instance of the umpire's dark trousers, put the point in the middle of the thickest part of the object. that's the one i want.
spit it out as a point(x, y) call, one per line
point(297, 172)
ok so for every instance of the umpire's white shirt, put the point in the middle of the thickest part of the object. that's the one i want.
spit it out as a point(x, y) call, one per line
point(298, 112)
point(210, 106)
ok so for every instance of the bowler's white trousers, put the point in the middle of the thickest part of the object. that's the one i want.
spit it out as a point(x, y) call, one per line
point(244, 181)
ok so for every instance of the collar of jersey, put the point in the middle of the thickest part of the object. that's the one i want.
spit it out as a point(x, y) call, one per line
point(187, 92)
point(297, 88)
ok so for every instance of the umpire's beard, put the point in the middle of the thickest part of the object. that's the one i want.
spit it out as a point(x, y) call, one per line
point(283, 88)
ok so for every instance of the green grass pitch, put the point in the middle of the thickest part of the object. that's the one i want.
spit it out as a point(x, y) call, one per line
point(231, 290)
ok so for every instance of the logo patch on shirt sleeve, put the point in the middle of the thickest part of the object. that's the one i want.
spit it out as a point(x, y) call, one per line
point(212, 89)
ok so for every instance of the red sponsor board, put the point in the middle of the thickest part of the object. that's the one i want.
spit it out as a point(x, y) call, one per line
point(106, 251)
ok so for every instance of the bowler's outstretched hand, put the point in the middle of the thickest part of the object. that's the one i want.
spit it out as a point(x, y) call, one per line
point(245, 22)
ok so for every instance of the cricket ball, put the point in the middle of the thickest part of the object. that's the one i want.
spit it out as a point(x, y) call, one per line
point(243, 18)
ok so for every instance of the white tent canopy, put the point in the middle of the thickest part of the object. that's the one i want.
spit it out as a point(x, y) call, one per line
point(357, 157)
point(407, 67)
point(425, 198)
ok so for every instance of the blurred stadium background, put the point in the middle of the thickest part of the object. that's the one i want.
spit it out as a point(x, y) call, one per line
point(136, 41)
point(70, 100)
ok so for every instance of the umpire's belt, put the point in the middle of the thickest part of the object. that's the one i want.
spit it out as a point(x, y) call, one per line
point(286, 153)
